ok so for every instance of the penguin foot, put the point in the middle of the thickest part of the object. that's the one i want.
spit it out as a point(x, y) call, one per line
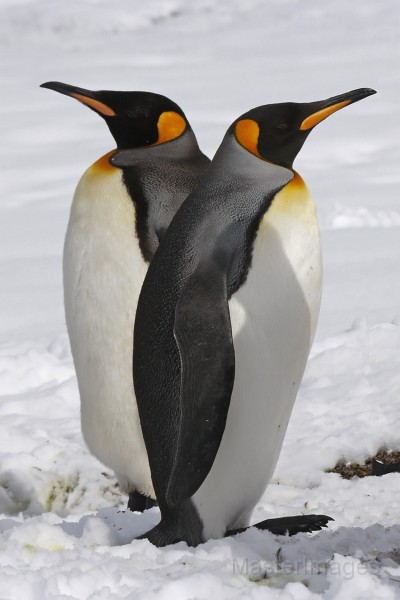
point(288, 525)
point(139, 502)
point(160, 536)
point(178, 524)
point(150, 502)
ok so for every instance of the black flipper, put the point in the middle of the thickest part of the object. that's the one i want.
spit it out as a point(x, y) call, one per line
point(124, 158)
point(288, 525)
point(203, 334)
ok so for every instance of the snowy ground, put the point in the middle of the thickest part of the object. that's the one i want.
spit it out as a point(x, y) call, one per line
point(61, 533)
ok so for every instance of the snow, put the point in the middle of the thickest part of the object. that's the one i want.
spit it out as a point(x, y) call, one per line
point(63, 534)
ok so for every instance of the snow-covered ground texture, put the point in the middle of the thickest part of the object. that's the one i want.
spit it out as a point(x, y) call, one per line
point(62, 533)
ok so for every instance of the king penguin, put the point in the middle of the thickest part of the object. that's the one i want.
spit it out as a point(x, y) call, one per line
point(225, 322)
point(121, 209)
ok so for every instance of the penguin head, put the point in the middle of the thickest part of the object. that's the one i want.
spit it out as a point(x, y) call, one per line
point(276, 132)
point(135, 119)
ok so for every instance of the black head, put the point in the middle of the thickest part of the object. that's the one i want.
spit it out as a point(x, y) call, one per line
point(276, 132)
point(135, 119)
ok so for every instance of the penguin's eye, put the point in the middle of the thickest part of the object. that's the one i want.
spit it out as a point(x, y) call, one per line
point(282, 126)
point(136, 114)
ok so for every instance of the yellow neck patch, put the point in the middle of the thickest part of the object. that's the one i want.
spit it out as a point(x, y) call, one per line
point(96, 104)
point(293, 201)
point(103, 166)
point(320, 115)
point(170, 126)
point(297, 183)
point(247, 132)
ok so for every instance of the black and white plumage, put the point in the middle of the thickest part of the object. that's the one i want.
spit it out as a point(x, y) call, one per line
point(225, 321)
point(121, 209)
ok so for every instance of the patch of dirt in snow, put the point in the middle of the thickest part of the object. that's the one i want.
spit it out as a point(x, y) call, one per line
point(348, 469)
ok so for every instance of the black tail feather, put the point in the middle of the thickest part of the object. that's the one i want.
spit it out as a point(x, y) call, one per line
point(288, 525)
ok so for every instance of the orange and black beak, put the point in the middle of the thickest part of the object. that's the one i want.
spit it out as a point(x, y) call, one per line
point(87, 97)
point(318, 111)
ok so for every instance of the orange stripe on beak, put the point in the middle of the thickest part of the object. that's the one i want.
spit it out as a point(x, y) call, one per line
point(96, 105)
point(320, 115)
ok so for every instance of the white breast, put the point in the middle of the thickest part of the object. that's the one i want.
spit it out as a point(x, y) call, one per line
point(274, 317)
point(103, 274)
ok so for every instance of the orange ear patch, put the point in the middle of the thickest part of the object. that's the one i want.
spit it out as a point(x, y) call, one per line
point(96, 105)
point(247, 132)
point(170, 126)
point(320, 115)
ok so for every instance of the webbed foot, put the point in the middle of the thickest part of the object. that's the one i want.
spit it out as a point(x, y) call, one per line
point(139, 502)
